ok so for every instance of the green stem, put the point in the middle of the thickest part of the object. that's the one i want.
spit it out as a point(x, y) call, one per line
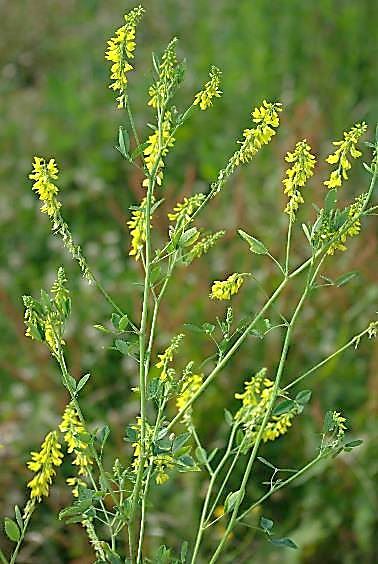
point(22, 536)
point(325, 360)
point(201, 527)
point(288, 244)
point(273, 398)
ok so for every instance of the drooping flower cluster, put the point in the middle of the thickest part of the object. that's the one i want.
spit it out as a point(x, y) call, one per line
point(224, 289)
point(210, 90)
point(266, 118)
point(43, 174)
point(346, 147)
point(297, 175)
point(42, 463)
point(137, 226)
point(161, 90)
point(77, 440)
point(157, 148)
point(255, 401)
point(183, 210)
point(167, 357)
point(191, 383)
point(120, 50)
point(202, 246)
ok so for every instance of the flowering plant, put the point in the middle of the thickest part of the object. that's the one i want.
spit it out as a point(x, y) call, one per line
point(110, 497)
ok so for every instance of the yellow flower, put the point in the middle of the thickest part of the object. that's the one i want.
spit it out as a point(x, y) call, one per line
point(43, 173)
point(183, 210)
point(191, 384)
point(162, 463)
point(77, 439)
point(157, 148)
point(137, 226)
point(211, 90)
point(297, 175)
point(42, 463)
point(266, 117)
point(353, 214)
point(160, 91)
point(224, 289)
point(339, 422)
point(121, 47)
point(340, 156)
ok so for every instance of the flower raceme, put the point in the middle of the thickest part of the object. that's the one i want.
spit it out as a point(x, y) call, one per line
point(157, 147)
point(137, 226)
point(211, 90)
point(43, 174)
point(224, 289)
point(77, 440)
point(340, 156)
point(42, 463)
point(120, 50)
point(297, 176)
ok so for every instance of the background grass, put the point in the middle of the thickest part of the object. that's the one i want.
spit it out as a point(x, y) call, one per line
point(319, 59)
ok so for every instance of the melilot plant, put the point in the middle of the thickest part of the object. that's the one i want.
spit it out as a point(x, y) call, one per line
point(111, 497)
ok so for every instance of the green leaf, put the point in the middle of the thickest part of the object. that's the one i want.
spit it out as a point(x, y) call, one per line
point(180, 441)
point(329, 423)
point(82, 382)
point(115, 320)
point(255, 245)
point(283, 407)
point(266, 524)
point(330, 200)
point(345, 278)
point(231, 500)
point(306, 232)
point(208, 328)
point(184, 551)
point(11, 529)
point(201, 455)
point(123, 142)
point(18, 515)
point(285, 541)
point(121, 346)
point(228, 417)
point(303, 397)
point(123, 323)
point(189, 237)
point(353, 444)
point(266, 462)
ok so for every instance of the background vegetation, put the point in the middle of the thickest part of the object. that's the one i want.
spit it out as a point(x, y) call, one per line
point(319, 59)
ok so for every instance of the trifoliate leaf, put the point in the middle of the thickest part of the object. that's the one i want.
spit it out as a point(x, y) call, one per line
point(255, 245)
point(11, 529)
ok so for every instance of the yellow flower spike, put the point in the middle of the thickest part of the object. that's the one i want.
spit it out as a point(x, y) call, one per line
point(121, 47)
point(157, 148)
point(137, 226)
point(346, 147)
point(42, 463)
point(43, 173)
point(167, 356)
point(224, 289)
point(297, 176)
point(189, 387)
point(75, 437)
point(210, 90)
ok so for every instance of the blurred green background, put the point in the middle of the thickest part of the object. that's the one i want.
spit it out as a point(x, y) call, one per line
point(320, 60)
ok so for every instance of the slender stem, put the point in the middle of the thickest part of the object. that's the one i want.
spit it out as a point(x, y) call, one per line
point(288, 244)
point(22, 536)
point(273, 397)
point(279, 486)
point(325, 360)
point(201, 527)
point(3, 558)
point(198, 443)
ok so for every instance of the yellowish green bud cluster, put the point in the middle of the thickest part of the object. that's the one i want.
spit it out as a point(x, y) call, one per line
point(339, 422)
point(255, 402)
point(45, 319)
point(98, 546)
point(160, 90)
point(77, 440)
point(190, 385)
point(354, 229)
point(346, 147)
point(158, 145)
point(297, 176)
point(167, 357)
point(224, 289)
point(211, 89)
point(137, 226)
point(204, 245)
point(42, 464)
point(43, 174)
point(120, 50)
